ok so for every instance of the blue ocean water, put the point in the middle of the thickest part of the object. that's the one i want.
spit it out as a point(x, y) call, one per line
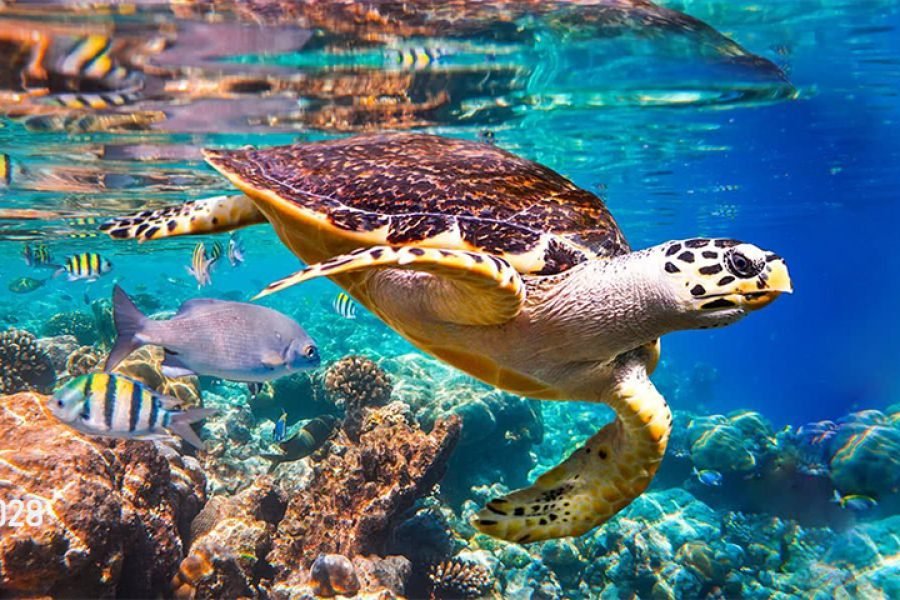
point(779, 124)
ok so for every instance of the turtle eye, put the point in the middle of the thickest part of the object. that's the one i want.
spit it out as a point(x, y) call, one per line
point(740, 265)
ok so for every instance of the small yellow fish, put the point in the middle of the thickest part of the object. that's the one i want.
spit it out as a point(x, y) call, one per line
point(200, 265)
point(87, 266)
point(344, 306)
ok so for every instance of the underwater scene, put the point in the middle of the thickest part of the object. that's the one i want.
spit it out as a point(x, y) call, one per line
point(449, 300)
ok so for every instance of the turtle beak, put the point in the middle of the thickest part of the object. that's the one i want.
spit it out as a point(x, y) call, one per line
point(772, 282)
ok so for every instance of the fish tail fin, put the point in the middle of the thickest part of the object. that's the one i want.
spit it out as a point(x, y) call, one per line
point(181, 424)
point(58, 272)
point(129, 322)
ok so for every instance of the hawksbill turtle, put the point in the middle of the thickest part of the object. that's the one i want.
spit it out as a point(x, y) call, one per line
point(504, 269)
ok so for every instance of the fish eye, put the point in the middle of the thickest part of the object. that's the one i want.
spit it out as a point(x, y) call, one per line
point(311, 352)
point(740, 265)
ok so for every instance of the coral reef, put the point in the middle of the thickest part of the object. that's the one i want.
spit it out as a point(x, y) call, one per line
point(59, 348)
point(83, 360)
point(359, 490)
point(104, 323)
point(111, 516)
point(457, 578)
point(24, 365)
point(230, 539)
point(509, 425)
point(145, 365)
point(78, 324)
point(355, 383)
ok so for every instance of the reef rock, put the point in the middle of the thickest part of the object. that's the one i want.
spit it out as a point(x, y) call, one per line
point(866, 457)
point(74, 323)
point(103, 517)
point(721, 443)
point(145, 365)
point(230, 539)
point(59, 348)
point(358, 492)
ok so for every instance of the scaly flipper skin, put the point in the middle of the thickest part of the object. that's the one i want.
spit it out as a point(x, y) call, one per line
point(600, 478)
point(209, 215)
point(496, 290)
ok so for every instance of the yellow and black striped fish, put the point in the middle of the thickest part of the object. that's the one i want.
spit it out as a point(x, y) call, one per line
point(344, 306)
point(38, 256)
point(82, 221)
point(216, 252)
point(200, 266)
point(90, 57)
point(95, 101)
point(416, 57)
point(113, 405)
point(87, 265)
point(5, 170)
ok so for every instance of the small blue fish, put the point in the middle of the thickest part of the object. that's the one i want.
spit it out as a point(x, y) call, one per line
point(855, 502)
point(235, 251)
point(344, 306)
point(708, 477)
point(280, 428)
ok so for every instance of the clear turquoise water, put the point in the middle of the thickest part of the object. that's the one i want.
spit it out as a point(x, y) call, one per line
point(789, 140)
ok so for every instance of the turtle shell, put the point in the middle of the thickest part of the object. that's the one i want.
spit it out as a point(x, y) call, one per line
point(416, 189)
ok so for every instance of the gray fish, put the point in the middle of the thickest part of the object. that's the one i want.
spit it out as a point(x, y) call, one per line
point(230, 340)
point(115, 406)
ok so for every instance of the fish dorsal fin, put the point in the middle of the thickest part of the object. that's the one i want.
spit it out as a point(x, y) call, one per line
point(197, 303)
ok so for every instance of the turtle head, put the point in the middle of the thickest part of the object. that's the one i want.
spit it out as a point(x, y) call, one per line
point(716, 282)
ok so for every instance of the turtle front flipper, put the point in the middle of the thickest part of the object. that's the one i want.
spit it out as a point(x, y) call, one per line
point(481, 289)
point(599, 479)
point(209, 215)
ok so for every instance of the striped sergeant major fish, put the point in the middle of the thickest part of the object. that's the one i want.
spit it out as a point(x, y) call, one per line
point(92, 100)
point(38, 256)
point(344, 306)
point(200, 266)
point(90, 57)
point(216, 252)
point(5, 170)
point(88, 266)
point(116, 406)
point(415, 57)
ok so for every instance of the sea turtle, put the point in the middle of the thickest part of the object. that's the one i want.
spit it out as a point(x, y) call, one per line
point(504, 269)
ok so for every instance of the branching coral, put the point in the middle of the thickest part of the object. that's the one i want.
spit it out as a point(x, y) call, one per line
point(456, 578)
point(355, 382)
point(24, 365)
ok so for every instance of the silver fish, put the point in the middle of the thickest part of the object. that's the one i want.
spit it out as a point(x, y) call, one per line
point(235, 251)
point(116, 406)
point(230, 340)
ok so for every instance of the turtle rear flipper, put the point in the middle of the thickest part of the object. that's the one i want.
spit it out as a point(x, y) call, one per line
point(600, 478)
point(485, 290)
point(209, 215)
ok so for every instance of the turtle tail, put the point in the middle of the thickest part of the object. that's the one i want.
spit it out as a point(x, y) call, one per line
point(599, 479)
point(209, 215)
